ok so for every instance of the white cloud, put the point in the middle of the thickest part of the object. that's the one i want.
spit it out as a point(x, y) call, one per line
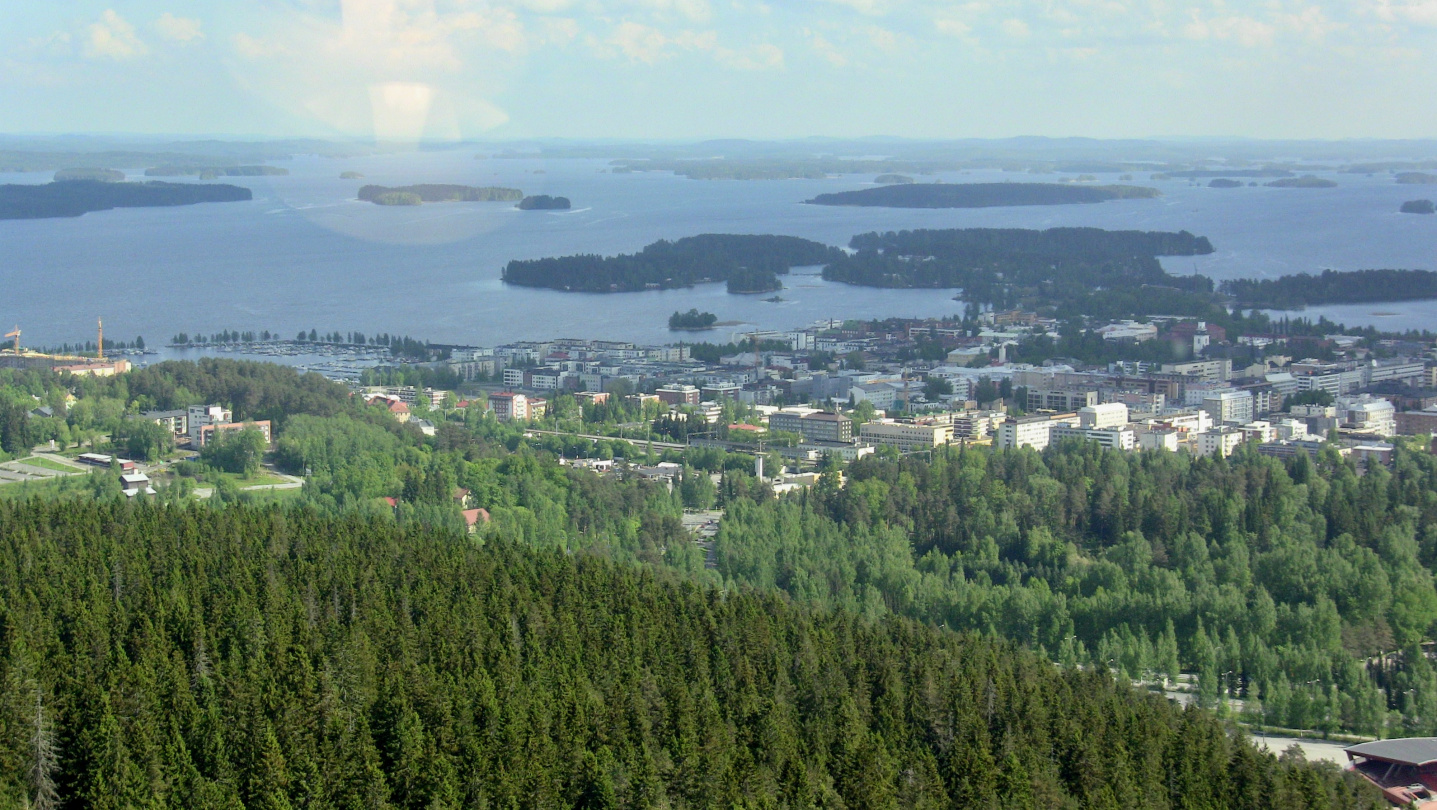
point(1015, 28)
point(825, 49)
point(1247, 31)
point(639, 42)
point(113, 38)
point(1422, 12)
point(179, 29)
point(882, 38)
point(952, 26)
point(872, 8)
point(759, 57)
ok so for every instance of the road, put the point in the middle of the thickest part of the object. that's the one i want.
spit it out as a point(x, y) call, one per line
point(14, 472)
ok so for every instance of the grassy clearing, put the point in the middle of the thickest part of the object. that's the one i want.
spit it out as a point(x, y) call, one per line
point(45, 463)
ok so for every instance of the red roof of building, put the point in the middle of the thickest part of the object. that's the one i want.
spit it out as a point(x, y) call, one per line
point(393, 502)
point(475, 516)
point(398, 407)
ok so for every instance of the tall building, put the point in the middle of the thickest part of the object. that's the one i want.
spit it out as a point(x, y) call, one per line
point(1229, 407)
point(509, 406)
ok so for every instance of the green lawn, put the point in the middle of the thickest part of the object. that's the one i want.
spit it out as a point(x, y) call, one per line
point(36, 461)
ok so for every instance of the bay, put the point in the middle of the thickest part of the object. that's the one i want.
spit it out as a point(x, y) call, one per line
point(304, 254)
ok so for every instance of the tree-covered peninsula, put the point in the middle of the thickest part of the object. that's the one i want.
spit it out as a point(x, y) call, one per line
point(892, 179)
point(102, 175)
point(1305, 181)
point(693, 319)
point(71, 198)
point(1333, 287)
point(435, 192)
point(170, 656)
point(210, 172)
point(1416, 178)
point(755, 260)
point(1000, 265)
point(543, 202)
point(981, 195)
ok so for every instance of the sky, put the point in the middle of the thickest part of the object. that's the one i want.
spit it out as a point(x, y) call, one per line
point(683, 69)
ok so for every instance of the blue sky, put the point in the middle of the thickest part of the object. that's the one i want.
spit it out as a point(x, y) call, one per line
point(721, 68)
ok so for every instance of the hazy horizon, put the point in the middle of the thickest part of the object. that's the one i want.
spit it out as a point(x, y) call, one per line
point(680, 70)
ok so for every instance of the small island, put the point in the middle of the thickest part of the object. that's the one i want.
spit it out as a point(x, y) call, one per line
point(71, 198)
point(211, 172)
point(1416, 179)
point(749, 263)
point(1418, 207)
point(351, 176)
point(100, 175)
point(1222, 182)
point(893, 179)
point(692, 321)
point(543, 202)
point(982, 195)
point(1305, 181)
point(433, 192)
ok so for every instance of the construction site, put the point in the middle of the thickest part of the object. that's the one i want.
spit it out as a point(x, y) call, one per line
point(16, 356)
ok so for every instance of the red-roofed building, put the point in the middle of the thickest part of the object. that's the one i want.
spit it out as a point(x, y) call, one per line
point(474, 517)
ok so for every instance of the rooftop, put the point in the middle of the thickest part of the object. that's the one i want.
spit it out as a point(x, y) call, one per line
point(1414, 751)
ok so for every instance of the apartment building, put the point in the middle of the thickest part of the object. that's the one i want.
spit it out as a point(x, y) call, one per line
point(905, 435)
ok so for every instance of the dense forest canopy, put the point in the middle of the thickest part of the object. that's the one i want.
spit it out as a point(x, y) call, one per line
point(1418, 207)
point(436, 192)
point(756, 260)
point(693, 319)
point(71, 198)
point(981, 195)
point(998, 265)
point(199, 658)
point(543, 202)
point(1306, 181)
point(1272, 580)
point(1333, 287)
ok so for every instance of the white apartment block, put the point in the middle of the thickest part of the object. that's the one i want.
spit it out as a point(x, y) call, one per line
point(1113, 438)
point(905, 435)
point(1031, 431)
point(1220, 441)
point(1099, 417)
point(509, 407)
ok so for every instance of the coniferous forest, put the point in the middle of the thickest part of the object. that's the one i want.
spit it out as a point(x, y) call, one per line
point(166, 656)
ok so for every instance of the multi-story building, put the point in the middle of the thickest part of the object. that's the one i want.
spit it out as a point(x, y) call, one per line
point(905, 435)
point(514, 377)
point(716, 391)
point(1367, 414)
point(208, 433)
point(1219, 441)
point(198, 416)
point(677, 394)
point(177, 421)
point(1032, 431)
point(813, 426)
point(1229, 407)
point(1115, 438)
point(1060, 399)
point(509, 406)
point(1413, 423)
point(1219, 370)
point(1099, 417)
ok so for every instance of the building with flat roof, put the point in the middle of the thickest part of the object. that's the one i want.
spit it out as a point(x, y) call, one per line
point(1113, 438)
point(509, 406)
point(1108, 415)
point(208, 433)
point(1229, 407)
point(1060, 399)
point(905, 435)
point(1032, 431)
point(816, 426)
point(677, 394)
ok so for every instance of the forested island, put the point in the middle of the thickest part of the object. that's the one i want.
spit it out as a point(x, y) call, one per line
point(981, 195)
point(1418, 207)
point(101, 175)
point(778, 168)
point(1416, 178)
point(1222, 182)
point(751, 263)
point(1198, 174)
point(543, 202)
point(211, 172)
point(892, 179)
point(692, 320)
point(71, 198)
point(1001, 265)
point(351, 176)
point(1306, 181)
point(431, 192)
point(1333, 287)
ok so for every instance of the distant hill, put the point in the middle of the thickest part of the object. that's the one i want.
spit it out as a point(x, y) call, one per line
point(981, 195)
point(71, 198)
point(1418, 207)
point(1222, 182)
point(208, 172)
point(1306, 181)
point(892, 179)
point(102, 175)
point(1416, 179)
point(437, 192)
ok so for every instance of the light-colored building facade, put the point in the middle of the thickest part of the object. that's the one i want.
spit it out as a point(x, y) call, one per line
point(508, 406)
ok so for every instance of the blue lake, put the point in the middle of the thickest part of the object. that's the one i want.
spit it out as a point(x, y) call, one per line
point(305, 254)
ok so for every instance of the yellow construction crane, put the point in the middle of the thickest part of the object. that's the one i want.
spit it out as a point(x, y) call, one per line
point(15, 334)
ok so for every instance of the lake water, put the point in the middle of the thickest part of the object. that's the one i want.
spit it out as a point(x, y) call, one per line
point(304, 254)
